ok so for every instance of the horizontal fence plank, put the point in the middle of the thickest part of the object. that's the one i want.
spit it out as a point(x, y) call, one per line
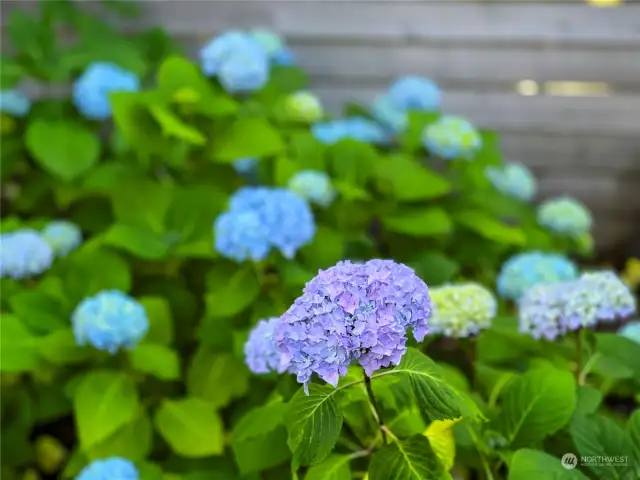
point(474, 63)
point(463, 21)
point(614, 114)
point(600, 154)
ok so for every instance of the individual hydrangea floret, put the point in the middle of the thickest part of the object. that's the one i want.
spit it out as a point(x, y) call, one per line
point(388, 114)
point(598, 297)
point(245, 166)
point(314, 186)
point(565, 216)
point(304, 107)
point(91, 91)
point(268, 40)
point(284, 57)
point(244, 72)
point(113, 468)
point(223, 47)
point(260, 219)
point(524, 270)
point(14, 103)
point(542, 310)
point(356, 128)
point(261, 354)
point(452, 137)
point(63, 236)
point(461, 310)
point(353, 312)
point(514, 180)
point(24, 253)
point(415, 93)
point(631, 331)
point(109, 321)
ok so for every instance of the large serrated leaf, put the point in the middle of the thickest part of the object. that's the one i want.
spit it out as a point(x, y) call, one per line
point(527, 464)
point(410, 459)
point(313, 423)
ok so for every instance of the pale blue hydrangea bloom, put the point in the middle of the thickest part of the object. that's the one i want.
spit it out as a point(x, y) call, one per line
point(260, 219)
point(631, 331)
point(547, 311)
point(514, 180)
point(91, 90)
point(110, 320)
point(461, 310)
point(223, 47)
point(268, 40)
point(524, 270)
point(452, 137)
point(353, 312)
point(63, 236)
point(14, 103)
point(415, 93)
point(261, 354)
point(24, 253)
point(388, 114)
point(244, 72)
point(113, 468)
point(565, 216)
point(598, 297)
point(284, 57)
point(314, 186)
point(356, 128)
point(245, 166)
point(542, 310)
point(304, 107)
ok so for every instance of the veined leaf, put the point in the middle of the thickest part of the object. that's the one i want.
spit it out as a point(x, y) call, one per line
point(527, 464)
point(334, 467)
point(410, 459)
point(440, 435)
point(313, 423)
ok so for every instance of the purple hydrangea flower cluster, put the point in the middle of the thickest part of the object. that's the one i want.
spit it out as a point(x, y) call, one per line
point(261, 354)
point(353, 312)
point(262, 218)
point(547, 311)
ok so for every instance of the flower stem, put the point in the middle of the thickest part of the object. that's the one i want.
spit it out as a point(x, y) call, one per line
point(374, 404)
point(578, 354)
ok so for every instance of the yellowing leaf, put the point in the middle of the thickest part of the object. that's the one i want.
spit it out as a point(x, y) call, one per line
point(440, 435)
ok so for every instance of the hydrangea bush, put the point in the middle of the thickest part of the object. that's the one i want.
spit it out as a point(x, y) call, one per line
point(205, 274)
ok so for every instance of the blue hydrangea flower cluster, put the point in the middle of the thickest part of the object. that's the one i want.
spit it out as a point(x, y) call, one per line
point(91, 90)
point(109, 321)
point(547, 311)
point(303, 107)
point(461, 310)
point(262, 218)
point(14, 103)
point(565, 216)
point(631, 331)
point(353, 312)
point(452, 137)
point(415, 93)
point(356, 128)
point(63, 236)
point(514, 180)
point(314, 186)
point(238, 59)
point(268, 40)
point(261, 354)
point(113, 468)
point(524, 270)
point(284, 58)
point(388, 114)
point(24, 253)
point(245, 166)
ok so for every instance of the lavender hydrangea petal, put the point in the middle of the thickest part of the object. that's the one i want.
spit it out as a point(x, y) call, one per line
point(261, 354)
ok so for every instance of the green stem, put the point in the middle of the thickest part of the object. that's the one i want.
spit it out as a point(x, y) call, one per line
point(578, 355)
point(374, 404)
